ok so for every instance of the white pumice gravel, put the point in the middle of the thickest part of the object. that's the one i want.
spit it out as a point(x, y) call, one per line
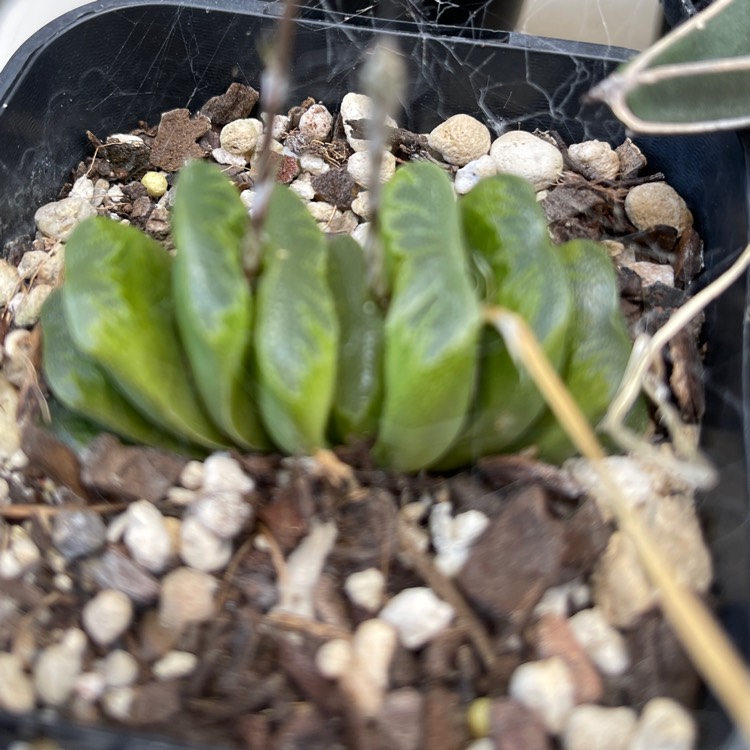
point(471, 174)
point(547, 688)
point(591, 727)
point(20, 556)
point(27, 306)
point(191, 476)
point(361, 205)
point(146, 536)
point(107, 616)
point(358, 166)
point(316, 122)
point(241, 136)
point(174, 665)
point(365, 588)
point(280, 124)
point(117, 702)
point(598, 157)
point(201, 549)
point(222, 156)
point(664, 725)
point(187, 596)
point(452, 536)
point(16, 688)
point(59, 218)
point(460, 139)
point(57, 668)
point(181, 496)
point(224, 513)
point(358, 107)
point(17, 350)
point(222, 473)
point(418, 616)
point(82, 188)
point(655, 203)
point(119, 668)
point(313, 164)
point(303, 187)
point(603, 644)
point(527, 156)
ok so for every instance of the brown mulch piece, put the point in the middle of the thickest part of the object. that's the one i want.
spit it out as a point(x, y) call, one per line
point(176, 138)
point(235, 104)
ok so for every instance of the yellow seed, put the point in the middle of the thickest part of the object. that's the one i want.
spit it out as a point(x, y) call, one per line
point(155, 183)
point(478, 717)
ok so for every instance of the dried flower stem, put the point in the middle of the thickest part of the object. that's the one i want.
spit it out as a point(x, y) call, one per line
point(704, 641)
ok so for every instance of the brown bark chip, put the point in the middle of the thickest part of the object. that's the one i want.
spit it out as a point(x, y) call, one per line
point(237, 102)
point(175, 141)
point(444, 727)
point(515, 727)
point(515, 561)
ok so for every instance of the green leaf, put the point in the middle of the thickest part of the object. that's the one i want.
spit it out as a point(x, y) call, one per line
point(506, 234)
point(296, 330)
point(359, 380)
point(695, 79)
point(212, 299)
point(432, 324)
point(118, 305)
point(81, 385)
point(599, 345)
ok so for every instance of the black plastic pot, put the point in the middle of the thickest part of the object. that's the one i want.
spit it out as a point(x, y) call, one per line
point(110, 64)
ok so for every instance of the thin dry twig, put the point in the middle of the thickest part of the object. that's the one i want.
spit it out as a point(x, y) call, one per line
point(21, 512)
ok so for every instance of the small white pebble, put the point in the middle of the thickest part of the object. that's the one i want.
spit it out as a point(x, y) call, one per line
point(593, 727)
point(222, 473)
point(547, 688)
point(57, 668)
point(101, 188)
point(361, 232)
point(146, 536)
point(181, 496)
point(460, 139)
point(191, 476)
point(248, 199)
point(322, 211)
point(655, 203)
point(58, 219)
point(365, 588)
point(63, 582)
point(175, 664)
point(664, 725)
point(107, 616)
point(598, 157)
point(470, 175)
point(222, 156)
point(313, 164)
point(303, 187)
point(280, 124)
point(418, 616)
point(120, 668)
point(334, 658)
point(560, 600)
point(30, 263)
point(9, 282)
point(483, 743)
point(603, 644)
point(316, 122)
point(82, 188)
point(187, 595)
point(453, 536)
point(202, 549)
point(358, 166)
point(527, 156)
point(27, 307)
point(155, 184)
point(361, 205)
point(241, 136)
point(224, 513)
point(358, 107)
point(90, 686)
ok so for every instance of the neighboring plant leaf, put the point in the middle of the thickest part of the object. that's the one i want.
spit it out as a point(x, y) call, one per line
point(695, 79)
point(296, 330)
point(506, 233)
point(432, 324)
point(212, 299)
point(599, 345)
point(117, 298)
point(359, 379)
point(82, 386)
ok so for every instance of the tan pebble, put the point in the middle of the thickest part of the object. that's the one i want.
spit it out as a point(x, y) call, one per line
point(604, 644)
point(358, 107)
point(10, 433)
point(174, 665)
point(10, 283)
point(365, 588)
point(527, 156)
point(57, 668)
point(107, 616)
point(187, 596)
point(241, 136)
point(597, 157)
point(657, 203)
point(313, 164)
point(553, 637)
point(59, 219)
point(599, 728)
point(18, 350)
point(361, 205)
point(201, 549)
point(30, 262)
point(316, 122)
point(653, 273)
point(460, 139)
point(191, 476)
point(303, 187)
point(16, 688)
